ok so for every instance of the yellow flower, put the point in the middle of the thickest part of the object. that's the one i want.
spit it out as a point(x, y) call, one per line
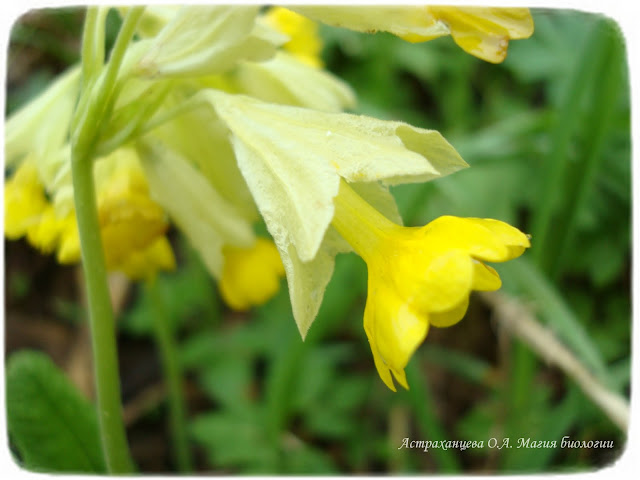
point(250, 276)
point(483, 32)
point(145, 263)
point(304, 42)
point(132, 225)
point(419, 276)
point(130, 221)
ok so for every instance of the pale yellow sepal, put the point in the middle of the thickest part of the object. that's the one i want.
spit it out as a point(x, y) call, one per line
point(250, 276)
point(40, 128)
point(285, 80)
point(207, 220)
point(203, 140)
point(399, 20)
point(153, 19)
point(204, 40)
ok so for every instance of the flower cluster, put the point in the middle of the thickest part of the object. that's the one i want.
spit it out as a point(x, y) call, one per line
point(216, 116)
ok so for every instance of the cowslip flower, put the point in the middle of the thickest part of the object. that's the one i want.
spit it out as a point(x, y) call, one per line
point(320, 182)
point(482, 32)
point(419, 276)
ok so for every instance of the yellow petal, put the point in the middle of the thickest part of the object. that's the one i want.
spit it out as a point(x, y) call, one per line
point(45, 234)
point(69, 248)
point(394, 330)
point(250, 276)
point(128, 223)
point(24, 201)
point(485, 278)
point(515, 241)
point(145, 263)
point(485, 32)
point(445, 282)
point(450, 317)
point(304, 42)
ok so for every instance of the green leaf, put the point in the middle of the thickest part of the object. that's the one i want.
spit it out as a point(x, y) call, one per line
point(236, 439)
point(53, 427)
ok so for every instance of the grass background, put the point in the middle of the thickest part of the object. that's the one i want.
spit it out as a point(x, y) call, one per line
point(547, 135)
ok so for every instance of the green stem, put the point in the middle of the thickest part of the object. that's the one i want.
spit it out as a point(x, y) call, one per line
point(101, 323)
point(88, 118)
point(95, 101)
point(173, 378)
point(90, 61)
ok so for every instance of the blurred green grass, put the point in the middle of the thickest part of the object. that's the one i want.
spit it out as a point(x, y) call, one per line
point(547, 136)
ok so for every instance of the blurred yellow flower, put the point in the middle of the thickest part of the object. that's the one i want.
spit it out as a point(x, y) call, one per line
point(250, 276)
point(304, 42)
point(419, 276)
point(132, 225)
point(24, 202)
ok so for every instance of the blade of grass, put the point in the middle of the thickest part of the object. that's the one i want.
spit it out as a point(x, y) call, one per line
point(420, 398)
point(601, 115)
point(166, 345)
point(555, 169)
point(459, 363)
point(549, 302)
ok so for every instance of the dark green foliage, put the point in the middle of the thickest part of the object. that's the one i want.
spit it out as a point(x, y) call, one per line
point(53, 427)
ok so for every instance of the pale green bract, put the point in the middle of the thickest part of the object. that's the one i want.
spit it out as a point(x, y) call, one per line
point(40, 128)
